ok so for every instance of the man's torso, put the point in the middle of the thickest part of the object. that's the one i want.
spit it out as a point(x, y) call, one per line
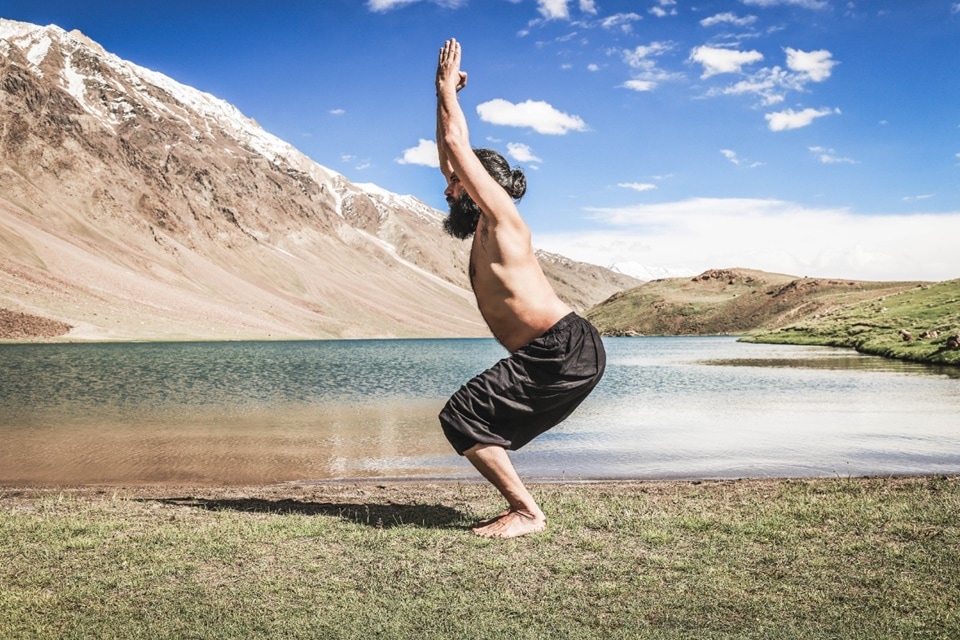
point(513, 295)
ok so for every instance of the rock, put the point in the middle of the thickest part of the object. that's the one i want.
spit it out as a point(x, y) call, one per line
point(953, 343)
point(906, 335)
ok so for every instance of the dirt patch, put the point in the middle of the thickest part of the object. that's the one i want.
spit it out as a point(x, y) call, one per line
point(23, 326)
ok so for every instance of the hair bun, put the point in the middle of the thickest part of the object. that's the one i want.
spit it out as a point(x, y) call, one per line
point(519, 184)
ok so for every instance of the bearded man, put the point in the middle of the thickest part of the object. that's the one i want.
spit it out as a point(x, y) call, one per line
point(556, 357)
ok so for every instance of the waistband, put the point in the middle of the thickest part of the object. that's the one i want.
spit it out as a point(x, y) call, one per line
point(562, 324)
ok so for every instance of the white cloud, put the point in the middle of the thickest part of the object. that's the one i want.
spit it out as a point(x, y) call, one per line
point(643, 59)
point(640, 57)
point(661, 11)
point(955, 8)
point(769, 84)
point(337, 112)
point(593, 67)
point(425, 154)
point(728, 18)
point(539, 116)
point(816, 65)
point(717, 60)
point(772, 235)
point(521, 152)
point(829, 156)
point(382, 6)
point(737, 160)
point(806, 4)
point(622, 21)
point(637, 186)
point(560, 9)
point(639, 85)
point(790, 119)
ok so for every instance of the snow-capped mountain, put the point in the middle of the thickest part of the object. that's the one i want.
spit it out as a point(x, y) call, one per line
point(135, 207)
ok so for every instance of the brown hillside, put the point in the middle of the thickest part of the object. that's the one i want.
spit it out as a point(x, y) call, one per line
point(728, 301)
point(136, 208)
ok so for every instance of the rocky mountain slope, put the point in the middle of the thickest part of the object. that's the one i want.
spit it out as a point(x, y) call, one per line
point(133, 207)
point(729, 301)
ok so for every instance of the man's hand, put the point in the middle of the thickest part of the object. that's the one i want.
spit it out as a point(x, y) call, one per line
point(448, 67)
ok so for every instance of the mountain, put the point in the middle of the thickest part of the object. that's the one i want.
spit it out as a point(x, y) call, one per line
point(729, 301)
point(133, 207)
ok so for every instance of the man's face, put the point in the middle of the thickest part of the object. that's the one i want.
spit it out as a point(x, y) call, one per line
point(464, 212)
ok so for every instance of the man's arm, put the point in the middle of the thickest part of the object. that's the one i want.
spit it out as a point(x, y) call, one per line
point(453, 143)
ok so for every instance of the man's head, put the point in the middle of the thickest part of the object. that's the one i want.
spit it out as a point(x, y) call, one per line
point(464, 212)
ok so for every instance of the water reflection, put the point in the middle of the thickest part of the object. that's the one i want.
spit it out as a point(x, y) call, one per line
point(236, 413)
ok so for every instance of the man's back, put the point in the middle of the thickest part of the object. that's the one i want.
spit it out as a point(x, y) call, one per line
point(514, 296)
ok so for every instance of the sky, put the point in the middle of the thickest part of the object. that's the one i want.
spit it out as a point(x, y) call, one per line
point(814, 138)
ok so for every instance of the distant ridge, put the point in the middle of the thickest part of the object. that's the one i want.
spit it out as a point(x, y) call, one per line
point(729, 302)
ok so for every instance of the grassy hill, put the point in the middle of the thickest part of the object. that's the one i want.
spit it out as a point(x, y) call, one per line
point(729, 301)
point(914, 324)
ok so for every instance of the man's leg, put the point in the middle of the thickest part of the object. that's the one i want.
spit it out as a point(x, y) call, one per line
point(523, 515)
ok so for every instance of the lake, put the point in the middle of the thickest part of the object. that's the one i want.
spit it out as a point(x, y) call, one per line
point(266, 412)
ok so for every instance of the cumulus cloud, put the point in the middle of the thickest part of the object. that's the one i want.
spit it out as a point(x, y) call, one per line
point(790, 119)
point(771, 84)
point(521, 152)
point(425, 154)
point(829, 156)
point(728, 18)
point(644, 60)
point(560, 9)
point(622, 21)
point(637, 186)
point(721, 60)
point(806, 4)
point(639, 85)
point(538, 115)
point(665, 8)
point(382, 6)
point(337, 112)
point(772, 235)
point(737, 160)
point(815, 65)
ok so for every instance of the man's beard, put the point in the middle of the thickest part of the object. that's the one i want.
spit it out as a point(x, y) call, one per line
point(463, 218)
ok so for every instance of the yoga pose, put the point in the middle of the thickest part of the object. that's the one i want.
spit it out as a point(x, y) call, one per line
point(556, 358)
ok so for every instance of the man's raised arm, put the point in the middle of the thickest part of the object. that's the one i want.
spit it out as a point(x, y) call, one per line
point(453, 141)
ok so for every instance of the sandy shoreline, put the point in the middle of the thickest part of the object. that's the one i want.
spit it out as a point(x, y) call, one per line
point(417, 491)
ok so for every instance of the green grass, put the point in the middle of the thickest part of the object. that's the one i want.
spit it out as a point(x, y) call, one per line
point(874, 327)
point(833, 558)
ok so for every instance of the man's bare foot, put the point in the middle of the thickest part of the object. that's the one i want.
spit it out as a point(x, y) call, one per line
point(511, 524)
point(489, 521)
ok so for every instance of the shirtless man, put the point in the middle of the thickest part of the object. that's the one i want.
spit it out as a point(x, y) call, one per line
point(556, 356)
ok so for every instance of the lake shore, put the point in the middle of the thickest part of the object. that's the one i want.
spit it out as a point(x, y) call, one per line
point(772, 558)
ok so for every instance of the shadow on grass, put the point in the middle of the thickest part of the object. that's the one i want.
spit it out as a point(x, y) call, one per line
point(384, 516)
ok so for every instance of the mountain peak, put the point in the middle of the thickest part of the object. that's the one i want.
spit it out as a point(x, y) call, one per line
point(135, 207)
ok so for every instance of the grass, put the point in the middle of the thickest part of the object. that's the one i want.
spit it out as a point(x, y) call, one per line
point(874, 327)
point(820, 558)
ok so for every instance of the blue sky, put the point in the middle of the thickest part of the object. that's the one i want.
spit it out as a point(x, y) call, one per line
point(808, 137)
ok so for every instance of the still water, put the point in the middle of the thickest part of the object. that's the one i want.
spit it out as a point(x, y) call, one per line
point(263, 412)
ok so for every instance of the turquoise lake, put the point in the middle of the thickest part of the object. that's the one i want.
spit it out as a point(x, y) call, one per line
point(266, 412)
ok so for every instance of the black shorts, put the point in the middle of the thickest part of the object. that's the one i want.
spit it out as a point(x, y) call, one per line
point(534, 389)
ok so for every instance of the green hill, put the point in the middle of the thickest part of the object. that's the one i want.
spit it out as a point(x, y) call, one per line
point(729, 302)
point(914, 324)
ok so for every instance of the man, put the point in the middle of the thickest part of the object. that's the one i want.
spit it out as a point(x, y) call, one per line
point(556, 357)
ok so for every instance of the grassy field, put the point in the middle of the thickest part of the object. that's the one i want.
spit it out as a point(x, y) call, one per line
point(875, 326)
point(822, 558)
